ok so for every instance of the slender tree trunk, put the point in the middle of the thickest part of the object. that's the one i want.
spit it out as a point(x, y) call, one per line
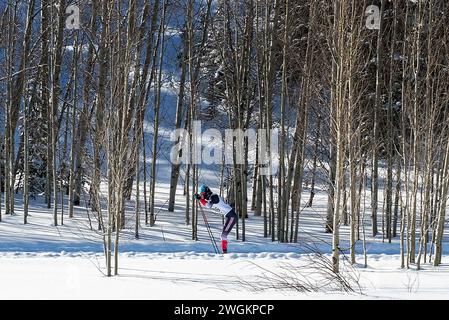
point(9, 132)
point(56, 89)
point(255, 206)
point(265, 217)
point(283, 191)
point(375, 150)
point(26, 194)
point(397, 197)
point(404, 103)
point(27, 101)
point(340, 84)
point(314, 163)
point(442, 210)
point(145, 176)
point(157, 105)
point(74, 132)
point(84, 117)
point(270, 41)
point(137, 202)
point(416, 134)
point(179, 114)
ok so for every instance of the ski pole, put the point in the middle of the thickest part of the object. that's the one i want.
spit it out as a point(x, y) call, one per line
point(209, 231)
point(211, 235)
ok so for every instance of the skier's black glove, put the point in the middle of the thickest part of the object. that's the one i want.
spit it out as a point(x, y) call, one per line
point(197, 196)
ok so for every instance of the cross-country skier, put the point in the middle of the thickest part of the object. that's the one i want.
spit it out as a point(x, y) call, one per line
point(216, 203)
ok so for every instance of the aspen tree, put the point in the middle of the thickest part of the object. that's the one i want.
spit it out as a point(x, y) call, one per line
point(157, 103)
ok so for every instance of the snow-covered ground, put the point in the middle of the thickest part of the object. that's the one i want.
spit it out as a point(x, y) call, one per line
point(41, 261)
point(190, 275)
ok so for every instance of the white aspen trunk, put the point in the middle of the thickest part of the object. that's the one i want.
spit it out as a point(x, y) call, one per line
point(340, 90)
point(74, 132)
point(436, 205)
point(265, 217)
point(255, 207)
point(430, 115)
point(363, 182)
point(283, 190)
point(397, 198)
point(442, 210)
point(157, 104)
point(56, 72)
point(189, 124)
point(390, 146)
point(332, 147)
point(375, 164)
point(26, 193)
point(352, 170)
point(269, 43)
point(137, 202)
point(404, 103)
point(416, 134)
point(314, 163)
point(9, 142)
point(179, 112)
point(144, 153)
point(261, 192)
point(83, 123)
